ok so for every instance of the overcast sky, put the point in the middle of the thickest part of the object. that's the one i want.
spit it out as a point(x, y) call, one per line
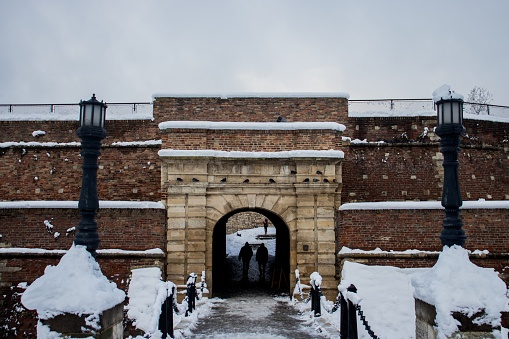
point(61, 51)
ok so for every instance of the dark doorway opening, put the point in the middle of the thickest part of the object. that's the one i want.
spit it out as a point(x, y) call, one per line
point(227, 268)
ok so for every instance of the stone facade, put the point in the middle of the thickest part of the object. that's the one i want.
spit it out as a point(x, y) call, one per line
point(304, 210)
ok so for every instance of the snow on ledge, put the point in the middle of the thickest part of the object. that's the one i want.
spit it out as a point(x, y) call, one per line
point(346, 251)
point(255, 95)
point(285, 126)
point(252, 155)
point(421, 205)
point(24, 250)
point(74, 204)
point(137, 143)
point(37, 144)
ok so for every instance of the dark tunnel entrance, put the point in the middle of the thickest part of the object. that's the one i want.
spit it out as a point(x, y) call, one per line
point(226, 267)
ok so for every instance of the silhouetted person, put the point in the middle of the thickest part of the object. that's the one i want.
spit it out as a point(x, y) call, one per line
point(262, 255)
point(245, 254)
point(265, 225)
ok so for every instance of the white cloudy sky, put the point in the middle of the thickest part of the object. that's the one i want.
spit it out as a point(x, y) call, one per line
point(60, 51)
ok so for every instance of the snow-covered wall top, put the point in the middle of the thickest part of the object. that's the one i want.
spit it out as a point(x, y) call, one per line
point(71, 112)
point(255, 95)
point(74, 204)
point(252, 125)
point(421, 205)
point(254, 155)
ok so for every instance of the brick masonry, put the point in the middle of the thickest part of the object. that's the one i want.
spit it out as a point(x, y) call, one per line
point(399, 230)
point(128, 229)
point(407, 166)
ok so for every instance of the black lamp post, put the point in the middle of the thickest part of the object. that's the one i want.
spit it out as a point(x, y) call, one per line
point(450, 127)
point(91, 132)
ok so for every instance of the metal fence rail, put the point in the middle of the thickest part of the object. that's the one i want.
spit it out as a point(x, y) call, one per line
point(143, 110)
point(483, 109)
point(115, 111)
point(416, 107)
point(391, 107)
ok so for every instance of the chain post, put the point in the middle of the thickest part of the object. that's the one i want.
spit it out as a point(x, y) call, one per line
point(166, 317)
point(191, 293)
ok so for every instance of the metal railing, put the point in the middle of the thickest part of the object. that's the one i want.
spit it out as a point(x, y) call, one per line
point(390, 107)
point(347, 302)
point(416, 107)
point(170, 307)
point(70, 112)
point(144, 110)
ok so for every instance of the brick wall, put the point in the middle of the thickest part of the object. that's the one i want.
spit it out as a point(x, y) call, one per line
point(410, 130)
point(128, 229)
point(244, 220)
point(251, 140)
point(388, 129)
point(400, 230)
point(54, 173)
point(389, 172)
point(250, 109)
point(65, 131)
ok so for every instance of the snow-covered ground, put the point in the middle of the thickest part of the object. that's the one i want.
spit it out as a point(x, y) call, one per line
point(386, 293)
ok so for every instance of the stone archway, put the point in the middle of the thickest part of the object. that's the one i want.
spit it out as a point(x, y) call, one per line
point(221, 274)
point(302, 190)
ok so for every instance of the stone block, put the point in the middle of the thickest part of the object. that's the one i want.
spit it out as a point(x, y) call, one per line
point(176, 270)
point(197, 200)
point(306, 212)
point(196, 223)
point(196, 235)
point(425, 315)
point(176, 235)
point(270, 201)
point(326, 259)
point(326, 235)
point(196, 212)
point(176, 223)
point(305, 236)
point(72, 325)
point(196, 246)
point(327, 247)
point(325, 224)
point(195, 268)
point(175, 247)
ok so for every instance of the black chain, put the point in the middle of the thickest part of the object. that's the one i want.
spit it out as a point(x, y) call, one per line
point(365, 323)
point(305, 301)
point(175, 307)
point(336, 305)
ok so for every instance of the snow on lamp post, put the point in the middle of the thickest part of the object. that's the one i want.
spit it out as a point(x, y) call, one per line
point(91, 132)
point(450, 127)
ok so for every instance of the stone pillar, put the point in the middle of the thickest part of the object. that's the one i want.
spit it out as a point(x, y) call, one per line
point(75, 326)
point(185, 186)
point(425, 315)
point(315, 234)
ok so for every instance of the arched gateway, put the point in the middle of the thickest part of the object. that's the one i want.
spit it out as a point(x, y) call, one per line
point(288, 171)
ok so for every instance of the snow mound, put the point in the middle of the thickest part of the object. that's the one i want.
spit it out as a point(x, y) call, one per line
point(147, 292)
point(76, 285)
point(455, 284)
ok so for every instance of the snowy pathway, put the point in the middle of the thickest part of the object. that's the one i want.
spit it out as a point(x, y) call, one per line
point(254, 314)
